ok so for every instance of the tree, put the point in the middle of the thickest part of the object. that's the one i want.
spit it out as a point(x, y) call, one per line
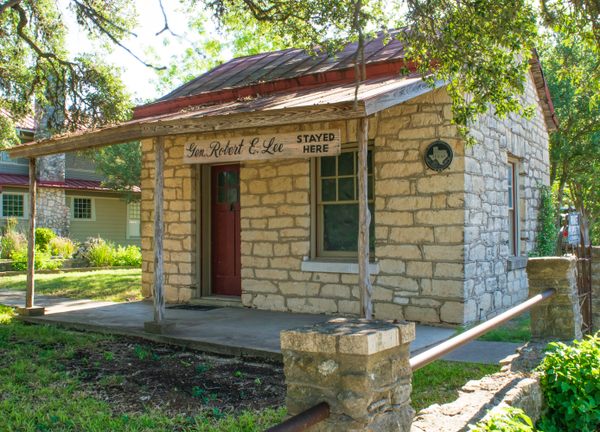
point(35, 67)
point(571, 69)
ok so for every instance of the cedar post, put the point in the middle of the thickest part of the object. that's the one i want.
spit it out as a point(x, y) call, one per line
point(158, 325)
point(29, 308)
point(364, 220)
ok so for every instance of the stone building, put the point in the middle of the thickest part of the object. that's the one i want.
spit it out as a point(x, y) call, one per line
point(451, 224)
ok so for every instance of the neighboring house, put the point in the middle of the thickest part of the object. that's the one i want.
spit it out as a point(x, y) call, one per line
point(71, 199)
point(450, 235)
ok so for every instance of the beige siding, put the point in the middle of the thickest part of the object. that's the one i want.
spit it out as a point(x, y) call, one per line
point(110, 221)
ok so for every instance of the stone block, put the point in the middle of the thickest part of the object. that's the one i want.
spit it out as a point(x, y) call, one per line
point(31, 311)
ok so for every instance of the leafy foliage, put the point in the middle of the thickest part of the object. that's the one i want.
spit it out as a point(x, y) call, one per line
point(62, 247)
point(34, 63)
point(43, 260)
point(482, 52)
point(572, 71)
point(507, 419)
point(100, 253)
point(43, 237)
point(571, 384)
point(121, 165)
point(11, 242)
point(547, 229)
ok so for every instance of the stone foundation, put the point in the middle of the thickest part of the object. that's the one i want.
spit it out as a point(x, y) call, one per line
point(360, 368)
point(558, 317)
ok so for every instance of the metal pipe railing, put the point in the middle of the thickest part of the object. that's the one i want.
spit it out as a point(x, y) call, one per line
point(444, 348)
point(304, 420)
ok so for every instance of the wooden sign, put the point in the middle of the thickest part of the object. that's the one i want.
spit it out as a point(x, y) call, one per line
point(256, 147)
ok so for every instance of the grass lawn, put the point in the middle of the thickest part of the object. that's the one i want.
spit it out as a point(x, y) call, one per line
point(440, 381)
point(109, 285)
point(41, 392)
point(60, 380)
point(516, 330)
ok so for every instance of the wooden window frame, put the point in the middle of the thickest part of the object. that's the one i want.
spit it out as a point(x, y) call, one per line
point(139, 219)
point(317, 206)
point(92, 205)
point(513, 211)
point(25, 196)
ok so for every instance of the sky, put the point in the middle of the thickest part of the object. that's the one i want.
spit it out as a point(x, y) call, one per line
point(137, 77)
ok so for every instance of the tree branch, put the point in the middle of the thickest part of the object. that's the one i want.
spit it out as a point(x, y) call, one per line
point(9, 4)
point(166, 27)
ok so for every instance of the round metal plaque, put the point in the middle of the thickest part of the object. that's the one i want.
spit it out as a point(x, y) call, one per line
point(438, 155)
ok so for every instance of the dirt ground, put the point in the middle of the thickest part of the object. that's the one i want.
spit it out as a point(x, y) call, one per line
point(135, 375)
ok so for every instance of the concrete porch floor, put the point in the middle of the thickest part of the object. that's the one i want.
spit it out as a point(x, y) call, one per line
point(230, 331)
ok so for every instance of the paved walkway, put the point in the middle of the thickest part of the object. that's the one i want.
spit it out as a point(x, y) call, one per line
point(232, 331)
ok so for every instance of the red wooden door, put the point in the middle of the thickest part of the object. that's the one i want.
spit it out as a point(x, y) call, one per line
point(225, 236)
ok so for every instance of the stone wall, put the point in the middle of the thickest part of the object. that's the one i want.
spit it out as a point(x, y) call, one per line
point(479, 399)
point(360, 368)
point(490, 285)
point(558, 317)
point(180, 222)
point(596, 288)
point(421, 242)
point(52, 210)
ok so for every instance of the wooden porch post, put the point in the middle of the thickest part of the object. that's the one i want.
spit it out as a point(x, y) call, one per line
point(158, 325)
point(364, 221)
point(29, 308)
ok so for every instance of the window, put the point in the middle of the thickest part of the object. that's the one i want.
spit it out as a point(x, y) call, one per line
point(83, 209)
point(513, 216)
point(13, 205)
point(133, 219)
point(337, 204)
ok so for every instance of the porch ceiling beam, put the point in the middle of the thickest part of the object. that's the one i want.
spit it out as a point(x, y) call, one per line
point(151, 128)
point(400, 95)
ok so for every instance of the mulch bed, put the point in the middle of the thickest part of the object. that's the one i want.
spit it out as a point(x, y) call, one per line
point(135, 376)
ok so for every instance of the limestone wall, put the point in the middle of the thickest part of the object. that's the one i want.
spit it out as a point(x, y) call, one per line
point(180, 222)
point(489, 284)
point(420, 217)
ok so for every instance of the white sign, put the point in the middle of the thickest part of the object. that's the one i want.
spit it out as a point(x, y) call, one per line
point(256, 147)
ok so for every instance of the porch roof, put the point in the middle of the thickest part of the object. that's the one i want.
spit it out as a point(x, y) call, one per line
point(326, 102)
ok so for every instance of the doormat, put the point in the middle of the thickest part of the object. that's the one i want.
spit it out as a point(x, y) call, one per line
point(194, 307)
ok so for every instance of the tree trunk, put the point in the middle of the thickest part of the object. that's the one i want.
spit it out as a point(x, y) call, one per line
point(29, 296)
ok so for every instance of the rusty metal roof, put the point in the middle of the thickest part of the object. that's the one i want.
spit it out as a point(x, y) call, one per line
point(287, 64)
point(27, 123)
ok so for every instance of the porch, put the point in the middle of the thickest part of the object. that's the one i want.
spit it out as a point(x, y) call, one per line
point(222, 330)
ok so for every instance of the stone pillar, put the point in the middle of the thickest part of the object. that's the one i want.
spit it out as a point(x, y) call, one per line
point(596, 288)
point(558, 317)
point(360, 368)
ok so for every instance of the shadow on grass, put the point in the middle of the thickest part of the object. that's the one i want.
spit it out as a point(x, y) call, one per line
point(105, 285)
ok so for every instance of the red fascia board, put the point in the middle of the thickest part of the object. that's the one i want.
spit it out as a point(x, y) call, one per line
point(374, 70)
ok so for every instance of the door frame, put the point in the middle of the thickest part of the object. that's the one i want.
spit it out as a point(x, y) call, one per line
point(204, 228)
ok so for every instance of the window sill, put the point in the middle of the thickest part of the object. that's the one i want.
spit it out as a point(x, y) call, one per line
point(336, 267)
point(516, 263)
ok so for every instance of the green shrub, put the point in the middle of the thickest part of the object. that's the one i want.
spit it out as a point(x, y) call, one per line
point(10, 242)
point(43, 237)
point(43, 260)
point(101, 254)
point(505, 420)
point(61, 247)
point(130, 256)
point(11, 225)
point(547, 229)
point(571, 384)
